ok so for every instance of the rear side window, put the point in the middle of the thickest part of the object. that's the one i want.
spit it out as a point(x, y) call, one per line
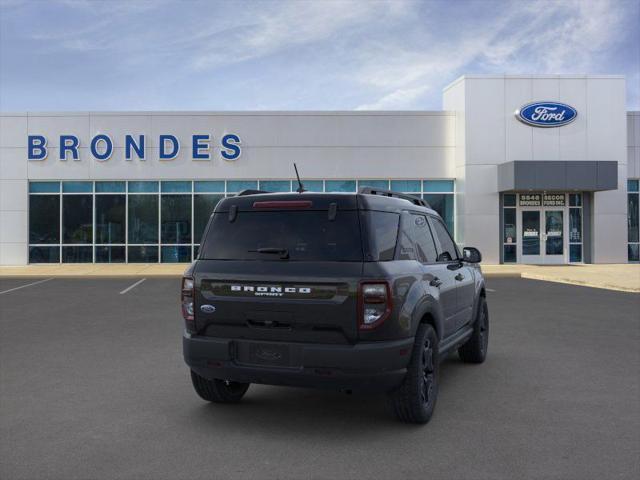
point(406, 239)
point(447, 251)
point(424, 241)
point(382, 228)
point(304, 235)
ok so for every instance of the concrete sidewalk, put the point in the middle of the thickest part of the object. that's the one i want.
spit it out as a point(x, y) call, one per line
point(622, 277)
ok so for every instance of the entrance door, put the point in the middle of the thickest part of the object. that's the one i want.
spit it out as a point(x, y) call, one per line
point(531, 236)
point(542, 236)
point(553, 236)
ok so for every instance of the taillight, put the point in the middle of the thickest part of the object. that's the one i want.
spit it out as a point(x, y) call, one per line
point(374, 302)
point(187, 303)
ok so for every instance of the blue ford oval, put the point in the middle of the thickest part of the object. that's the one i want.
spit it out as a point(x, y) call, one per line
point(546, 114)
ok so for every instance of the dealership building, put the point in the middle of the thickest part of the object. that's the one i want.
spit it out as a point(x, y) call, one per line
point(529, 169)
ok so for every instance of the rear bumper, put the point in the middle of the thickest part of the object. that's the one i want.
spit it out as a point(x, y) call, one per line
point(371, 366)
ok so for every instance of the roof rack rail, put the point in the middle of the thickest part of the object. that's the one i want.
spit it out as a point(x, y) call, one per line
point(250, 191)
point(391, 193)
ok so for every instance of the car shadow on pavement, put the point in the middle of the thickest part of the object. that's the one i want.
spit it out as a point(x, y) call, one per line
point(291, 411)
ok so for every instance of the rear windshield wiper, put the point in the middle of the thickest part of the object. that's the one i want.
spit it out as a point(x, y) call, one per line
point(283, 252)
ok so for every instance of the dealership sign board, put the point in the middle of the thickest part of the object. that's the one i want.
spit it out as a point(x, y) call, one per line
point(546, 114)
point(101, 147)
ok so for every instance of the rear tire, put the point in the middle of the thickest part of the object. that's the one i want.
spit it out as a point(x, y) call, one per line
point(218, 391)
point(475, 349)
point(415, 400)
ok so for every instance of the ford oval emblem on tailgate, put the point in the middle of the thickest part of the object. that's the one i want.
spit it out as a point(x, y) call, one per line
point(207, 308)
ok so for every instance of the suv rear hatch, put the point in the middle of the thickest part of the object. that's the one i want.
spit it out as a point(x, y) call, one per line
point(281, 267)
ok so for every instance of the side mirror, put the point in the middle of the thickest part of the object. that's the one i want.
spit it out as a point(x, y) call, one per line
point(471, 255)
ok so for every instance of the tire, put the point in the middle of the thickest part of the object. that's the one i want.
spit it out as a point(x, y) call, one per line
point(475, 349)
point(218, 391)
point(415, 400)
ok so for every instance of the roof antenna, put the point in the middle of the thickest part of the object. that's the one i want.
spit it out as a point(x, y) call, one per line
point(300, 188)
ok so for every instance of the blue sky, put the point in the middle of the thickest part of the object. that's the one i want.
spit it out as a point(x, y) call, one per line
point(300, 55)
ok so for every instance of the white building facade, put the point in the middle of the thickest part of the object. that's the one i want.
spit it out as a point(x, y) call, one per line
point(140, 186)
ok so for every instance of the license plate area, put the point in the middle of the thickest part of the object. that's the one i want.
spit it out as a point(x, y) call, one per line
point(264, 354)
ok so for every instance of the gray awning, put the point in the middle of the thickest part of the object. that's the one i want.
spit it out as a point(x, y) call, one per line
point(590, 176)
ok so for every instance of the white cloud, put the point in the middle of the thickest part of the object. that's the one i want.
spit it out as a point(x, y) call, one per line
point(402, 98)
point(537, 37)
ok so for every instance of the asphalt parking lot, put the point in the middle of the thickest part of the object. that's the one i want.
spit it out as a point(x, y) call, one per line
point(93, 386)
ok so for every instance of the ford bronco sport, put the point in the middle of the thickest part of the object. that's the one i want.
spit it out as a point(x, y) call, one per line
point(362, 292)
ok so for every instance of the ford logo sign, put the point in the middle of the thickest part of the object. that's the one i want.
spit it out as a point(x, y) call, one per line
point(546, 114)
point(207, 308)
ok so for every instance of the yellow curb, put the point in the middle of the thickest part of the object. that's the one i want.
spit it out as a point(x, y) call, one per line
point(96, 270)
point(582, 283)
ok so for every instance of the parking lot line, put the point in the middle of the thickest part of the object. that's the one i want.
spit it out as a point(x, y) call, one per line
point(490, 290)
point(132, 286)
point(25, 286)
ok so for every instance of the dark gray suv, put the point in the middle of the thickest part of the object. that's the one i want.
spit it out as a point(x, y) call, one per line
point(363, 291)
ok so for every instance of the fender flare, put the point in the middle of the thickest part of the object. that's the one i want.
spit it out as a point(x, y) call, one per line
point(428, 307)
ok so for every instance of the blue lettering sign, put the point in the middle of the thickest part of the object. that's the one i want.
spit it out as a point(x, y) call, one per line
point(231, 147)
point(70, 143)
point(130, 143)
point(108, 147)
point(164, 155)
point(37, 147)
point(201, 142)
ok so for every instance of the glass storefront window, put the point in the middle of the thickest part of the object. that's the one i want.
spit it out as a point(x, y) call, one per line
point(509, 200)
point(110, 218)
point(176, 219)
point(77, 219)
point(235, 186)
point(575, 253)
point(633, 214)
point(77, 187)
point(575, 200)
point(381, 184)
point(438, 186)
point(77, 254)
point(575, 225)
point(340, 185)
point(44, 254)
point(143, 187)
point(275, 185)
point(143, 254)
point(110, 221)
point(143, 219)
point(510, 255)
point(210, 186)
point(111, 187)
point(310, 185)
point(110, 254)
point(176, 254)
point(407, 186)
point(44, 219)
point(510, 231)
point(632, 217)
point(175, 187)
point(44, 187)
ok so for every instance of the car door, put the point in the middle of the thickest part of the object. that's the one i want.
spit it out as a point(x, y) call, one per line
point(440, 277)
point(463, 275)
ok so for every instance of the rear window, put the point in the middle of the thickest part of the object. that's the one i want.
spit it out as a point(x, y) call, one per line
point(304, 235)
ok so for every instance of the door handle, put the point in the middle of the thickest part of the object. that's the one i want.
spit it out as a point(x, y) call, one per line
point(459, 277)
point(436, 282)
